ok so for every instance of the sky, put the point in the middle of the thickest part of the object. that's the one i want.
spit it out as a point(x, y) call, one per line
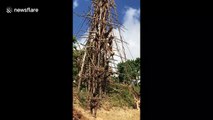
point(128, 15)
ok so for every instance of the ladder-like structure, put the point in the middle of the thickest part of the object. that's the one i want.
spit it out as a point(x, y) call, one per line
point(95, 69)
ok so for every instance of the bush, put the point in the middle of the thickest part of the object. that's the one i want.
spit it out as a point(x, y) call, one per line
point(120, 96)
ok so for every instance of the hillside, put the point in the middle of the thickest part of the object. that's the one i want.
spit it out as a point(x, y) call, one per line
point(117, 106)
point(115, 113)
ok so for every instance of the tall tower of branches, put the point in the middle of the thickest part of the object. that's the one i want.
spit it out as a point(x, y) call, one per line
point(95, 69)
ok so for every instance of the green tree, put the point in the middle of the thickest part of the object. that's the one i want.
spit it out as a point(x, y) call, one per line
point(76, 58)
point(128, 70)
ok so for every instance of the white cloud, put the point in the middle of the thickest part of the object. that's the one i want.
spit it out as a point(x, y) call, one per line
point(75, 4)
point(82, 39)
point(131, 35)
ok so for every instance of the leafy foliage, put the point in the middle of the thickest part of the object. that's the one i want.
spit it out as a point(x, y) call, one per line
point(129, 70)
point(121, 96)
point(76, 58)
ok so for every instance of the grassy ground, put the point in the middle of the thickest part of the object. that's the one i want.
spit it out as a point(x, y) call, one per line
point(118, 105)
point(114, 113)
point(118, 96)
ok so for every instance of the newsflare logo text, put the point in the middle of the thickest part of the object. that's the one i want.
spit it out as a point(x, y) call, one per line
point(18, 10)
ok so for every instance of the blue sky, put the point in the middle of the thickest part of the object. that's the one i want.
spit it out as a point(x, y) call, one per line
point(129, 16)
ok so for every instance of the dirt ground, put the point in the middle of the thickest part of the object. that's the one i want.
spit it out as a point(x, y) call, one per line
point(112, 114)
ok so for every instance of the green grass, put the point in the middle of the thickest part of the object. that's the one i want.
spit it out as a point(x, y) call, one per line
point(118, 96)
